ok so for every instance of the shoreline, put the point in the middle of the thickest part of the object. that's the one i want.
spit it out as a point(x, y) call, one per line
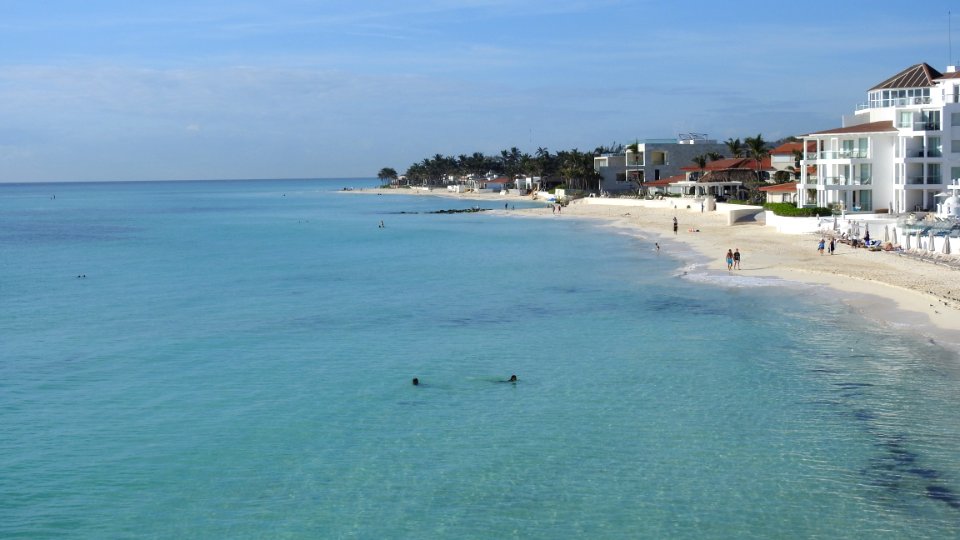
point(885, 287)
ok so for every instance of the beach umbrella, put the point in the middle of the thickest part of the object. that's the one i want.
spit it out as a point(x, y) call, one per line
point(907, 238)
point(931, 246)
point(946, 245)
point(886, 234)
point(895, 235)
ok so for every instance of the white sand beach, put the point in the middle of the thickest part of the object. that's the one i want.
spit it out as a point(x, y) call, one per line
point(885, 286)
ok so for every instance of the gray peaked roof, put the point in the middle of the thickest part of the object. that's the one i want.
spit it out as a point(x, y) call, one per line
point(918, 76)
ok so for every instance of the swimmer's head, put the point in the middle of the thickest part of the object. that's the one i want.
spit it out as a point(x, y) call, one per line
point(416, 381)
point(513, 378)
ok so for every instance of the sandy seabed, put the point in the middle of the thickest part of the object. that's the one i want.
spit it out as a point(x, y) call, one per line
point(889, 288)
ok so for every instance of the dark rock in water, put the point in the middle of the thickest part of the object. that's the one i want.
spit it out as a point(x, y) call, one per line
point(451, 211)
point(924, 473)
point(940, 493)
point(459, 211)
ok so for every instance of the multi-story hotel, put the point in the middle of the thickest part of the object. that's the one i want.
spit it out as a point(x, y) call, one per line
point(895, 153)
point(651, 160)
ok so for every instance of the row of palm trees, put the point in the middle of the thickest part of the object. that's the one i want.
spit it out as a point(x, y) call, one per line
point(573, 167)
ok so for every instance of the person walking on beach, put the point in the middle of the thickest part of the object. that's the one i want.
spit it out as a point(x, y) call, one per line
point(736, 259)
point(832, 245)
point(674, 224)
point(820, 246)
point(729, 260)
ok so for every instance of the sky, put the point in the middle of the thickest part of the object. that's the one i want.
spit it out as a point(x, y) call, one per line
point(216, 89)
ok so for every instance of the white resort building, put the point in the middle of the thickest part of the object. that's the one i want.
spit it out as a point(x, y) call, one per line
point(895, 153)
point(651, 160)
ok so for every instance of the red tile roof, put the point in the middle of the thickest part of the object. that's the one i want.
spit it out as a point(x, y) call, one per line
point(666, 181)
point(953, 75)
point(916, 76)
point(780, 188)
point(790, 147)
point(727, 164)
point(869, 127)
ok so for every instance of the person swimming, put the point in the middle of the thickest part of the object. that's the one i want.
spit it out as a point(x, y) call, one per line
point(416, 381)
point(513, 378)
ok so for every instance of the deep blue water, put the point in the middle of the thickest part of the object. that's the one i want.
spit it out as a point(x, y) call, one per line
point(237, 363)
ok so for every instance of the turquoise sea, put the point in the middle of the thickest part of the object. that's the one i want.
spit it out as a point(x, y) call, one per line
point(237, 363)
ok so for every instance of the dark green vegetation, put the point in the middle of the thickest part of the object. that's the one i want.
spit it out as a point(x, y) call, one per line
point(790, 210)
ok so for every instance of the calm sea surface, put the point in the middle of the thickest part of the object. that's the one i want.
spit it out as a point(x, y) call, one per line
point(237, 363)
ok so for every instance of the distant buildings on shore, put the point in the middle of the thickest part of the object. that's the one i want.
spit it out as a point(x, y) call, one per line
point(897, 152)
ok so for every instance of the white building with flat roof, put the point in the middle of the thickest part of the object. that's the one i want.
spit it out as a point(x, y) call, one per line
point(652, 159)
point(895, 153)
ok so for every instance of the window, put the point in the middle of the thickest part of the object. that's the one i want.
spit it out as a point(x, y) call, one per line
point(955, 119)
point(955, 173)
point(865, 171)
point(934, 148)
point(905, 119)
point(846, 149)
point(931, 120)
point(862, 146)
point(955, 146)
point(933, 173)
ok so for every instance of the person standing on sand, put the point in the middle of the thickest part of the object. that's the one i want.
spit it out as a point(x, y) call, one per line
point(729, 260)
point(820, 246)
point(736, 259)
point(674, 224)
point(832, 245)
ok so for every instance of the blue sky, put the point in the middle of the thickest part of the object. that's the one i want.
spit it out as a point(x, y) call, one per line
point(209, 89)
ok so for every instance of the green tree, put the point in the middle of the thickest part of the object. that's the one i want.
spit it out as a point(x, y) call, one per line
point(387, 174)
point(701, 162)
point(758, 149)
point(735, 146)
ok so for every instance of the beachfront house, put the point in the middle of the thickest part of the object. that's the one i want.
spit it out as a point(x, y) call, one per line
point(780, 193)
point(785, 160)
point(723, 178)
point(650, 160)
point(896, 152)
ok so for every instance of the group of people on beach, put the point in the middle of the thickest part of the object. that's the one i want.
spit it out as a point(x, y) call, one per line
point(733, 259)
point(832, 246)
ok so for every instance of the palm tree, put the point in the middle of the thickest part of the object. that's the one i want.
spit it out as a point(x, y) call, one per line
point(735, 146)
point(714, 156)
point(758, 149)
point(701, 162)
point(387, 174)
point(634, 147)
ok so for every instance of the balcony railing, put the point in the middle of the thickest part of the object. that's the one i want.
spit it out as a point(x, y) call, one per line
point(926, 126)
point(921, 180)
point(844, 181)
point(895, 102)
point(931, 152)
point(839, 154)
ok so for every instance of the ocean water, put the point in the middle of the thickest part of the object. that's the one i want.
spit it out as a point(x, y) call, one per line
point(236, 363)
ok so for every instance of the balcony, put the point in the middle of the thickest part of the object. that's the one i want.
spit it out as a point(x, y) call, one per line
point(923, 181)
point(840, 154)
point(932, 152)
point(894, 102)
point(926, 126)
point(844, 181)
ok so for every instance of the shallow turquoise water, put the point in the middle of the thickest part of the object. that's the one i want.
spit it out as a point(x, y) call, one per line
point(237, 363)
